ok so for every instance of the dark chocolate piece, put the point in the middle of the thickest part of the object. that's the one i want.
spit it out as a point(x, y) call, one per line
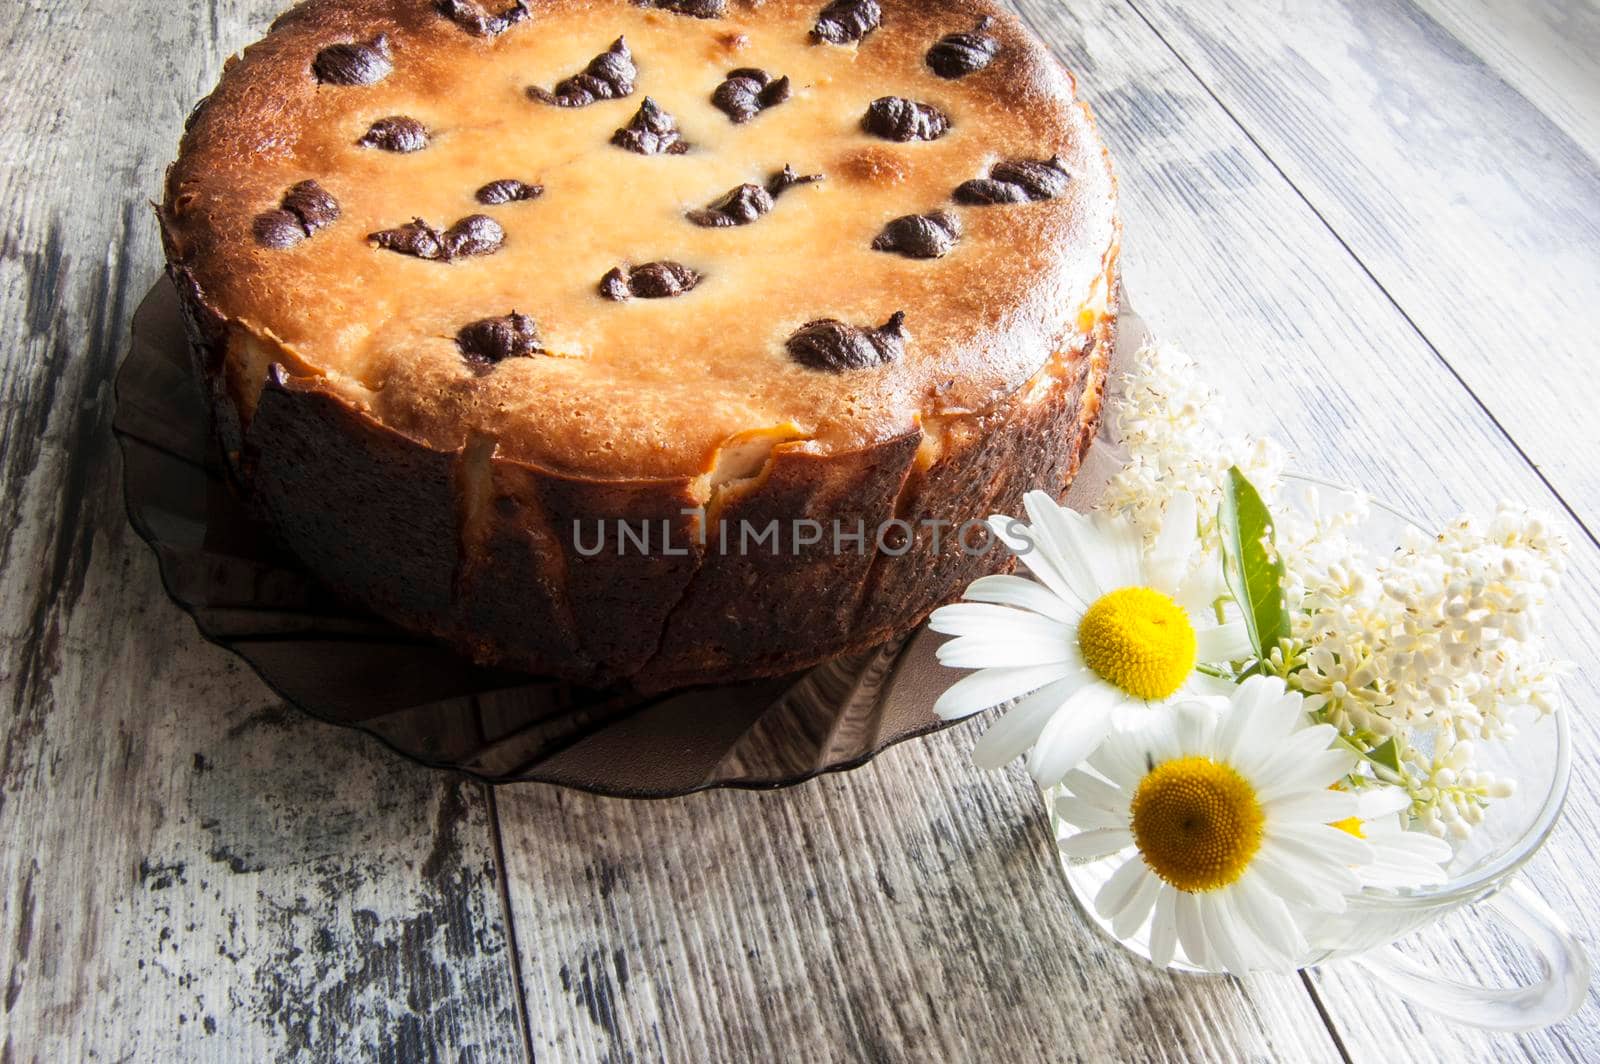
point(472, 17)
point(507, 190)
point(897, 118)
point(832, 346)
point(653, 280)
point(312, 204)
point(484, 344)
point(397, 133)
point(920, 236)
point(847, 21)
point(278, 230)
point(651, 132)
point(306, 206)
point(958, 54)
point(477, 234)
point(609, 76)
point(694, 8)
point(749, 91)
point(1017, 181)
point(745, 204)
point(354, 62)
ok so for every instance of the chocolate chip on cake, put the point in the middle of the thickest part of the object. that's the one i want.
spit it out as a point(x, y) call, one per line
point(847, 21)
point(740, 206)
point(507, 190)
point(833, 346)
point(745, 204)
point(1018, 181)
point(653, 280)
point(696, 8)
point(959, 54)
point(278, 230)
point(476, 234)
point(312, 204)
point(785, 179)
point(472, 17)
point(749, 91)
point(304, 209)
point(416, 238)
point(920, 236)
point(982, 192)
point(485, 344)
point(651, 132)
point(609, 76)
point(897, 118)
point(354, 62)
point(397, 133)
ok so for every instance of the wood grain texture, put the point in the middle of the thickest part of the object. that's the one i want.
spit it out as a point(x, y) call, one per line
point(1545, 49)
point(191, 870)
point(1475, 213)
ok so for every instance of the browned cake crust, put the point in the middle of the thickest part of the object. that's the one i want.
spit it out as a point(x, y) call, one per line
point(454, 500)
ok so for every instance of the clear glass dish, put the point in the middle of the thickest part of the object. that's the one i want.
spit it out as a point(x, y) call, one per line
point(1482, 872)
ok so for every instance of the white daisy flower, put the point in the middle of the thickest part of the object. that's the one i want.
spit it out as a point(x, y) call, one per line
point(1401, 858)
point(1226, 809)
point(1103, 624)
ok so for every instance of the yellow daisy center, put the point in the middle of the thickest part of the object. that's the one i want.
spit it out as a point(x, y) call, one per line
point(1197, 823)
point(1140, 640)
point(1350, 825)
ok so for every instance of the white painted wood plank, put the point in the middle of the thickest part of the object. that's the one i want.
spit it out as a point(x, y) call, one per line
point(1545, 49)
point(190, 870)
point(1466, 203)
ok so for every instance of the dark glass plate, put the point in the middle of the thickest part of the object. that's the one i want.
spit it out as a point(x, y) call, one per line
point(344, 666)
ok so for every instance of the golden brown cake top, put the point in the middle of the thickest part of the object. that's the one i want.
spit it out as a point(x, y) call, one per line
point(615, 236)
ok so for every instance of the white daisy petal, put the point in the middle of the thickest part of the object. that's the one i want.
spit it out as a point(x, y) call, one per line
point(1025, 594)
point(1224, 642)
point(1270, 919)
point(1191, 933)
point(1257, 954)
point(1102, 842)
point(1066, 538)
point(990, 687)
point(1137, 910)
point(1087, 817)
point(1037, 561)
point(1168, 561)
point(1221, 935)
point(999, 651)
point(983, 618)
point(1095, 791)
point(1164, 927)
point(1313, 807)
point(1010, 736)
point(1073, 733)
point(1118, 891)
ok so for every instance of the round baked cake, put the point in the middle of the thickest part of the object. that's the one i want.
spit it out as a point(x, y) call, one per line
point(652, 344)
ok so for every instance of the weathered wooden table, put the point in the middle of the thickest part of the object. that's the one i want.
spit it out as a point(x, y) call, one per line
point(1378, 220)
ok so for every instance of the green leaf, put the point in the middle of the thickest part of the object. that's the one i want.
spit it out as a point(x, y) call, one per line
point(1386, 756)
point(1251, 564)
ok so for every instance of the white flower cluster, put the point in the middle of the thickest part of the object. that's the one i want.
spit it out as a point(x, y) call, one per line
point(1433, 647)
point(1173, 428)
